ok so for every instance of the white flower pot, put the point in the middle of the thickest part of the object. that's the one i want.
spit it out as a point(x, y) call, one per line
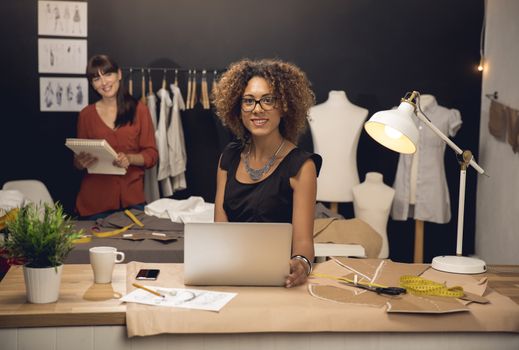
point(42, 284)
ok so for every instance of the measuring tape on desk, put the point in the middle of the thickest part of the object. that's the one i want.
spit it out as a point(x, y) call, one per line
point(105, 234)
point(421, 286)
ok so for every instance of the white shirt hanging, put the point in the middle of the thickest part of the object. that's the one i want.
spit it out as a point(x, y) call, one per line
point(176, 143)
point(162, 143)
point(432, 201)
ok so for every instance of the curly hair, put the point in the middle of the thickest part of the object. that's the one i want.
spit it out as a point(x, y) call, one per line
point(289, 84)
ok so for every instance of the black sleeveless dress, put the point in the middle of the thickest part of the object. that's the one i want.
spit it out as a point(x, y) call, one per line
point(269, 200)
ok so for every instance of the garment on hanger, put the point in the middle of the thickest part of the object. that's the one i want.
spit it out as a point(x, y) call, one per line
point(432, 202)
point(151, 185)
point(176, 143)
point(162, 143)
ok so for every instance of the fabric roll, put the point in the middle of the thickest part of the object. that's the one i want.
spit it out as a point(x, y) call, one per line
point(513, 128)
point(497, 120)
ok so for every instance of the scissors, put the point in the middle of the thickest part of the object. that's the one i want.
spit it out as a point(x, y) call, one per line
point(372, 287)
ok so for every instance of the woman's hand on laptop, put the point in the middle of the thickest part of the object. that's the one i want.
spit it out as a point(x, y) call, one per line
point(298, 273)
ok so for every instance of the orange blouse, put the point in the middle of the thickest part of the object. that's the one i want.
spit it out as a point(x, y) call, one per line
point(99, 192)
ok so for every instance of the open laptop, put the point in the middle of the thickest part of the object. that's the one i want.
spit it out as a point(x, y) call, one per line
point(237, 254)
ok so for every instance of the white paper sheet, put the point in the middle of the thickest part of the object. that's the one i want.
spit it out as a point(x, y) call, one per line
point(62, 18)
point(180, 297)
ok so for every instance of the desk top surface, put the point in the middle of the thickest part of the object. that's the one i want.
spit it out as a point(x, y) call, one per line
point(82, 302)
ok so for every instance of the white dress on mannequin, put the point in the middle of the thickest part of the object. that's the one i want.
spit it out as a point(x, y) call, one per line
point(336, 126)
point(372, 203)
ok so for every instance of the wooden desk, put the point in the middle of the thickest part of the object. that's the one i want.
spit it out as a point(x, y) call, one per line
point(87, 317)
point(81, 302)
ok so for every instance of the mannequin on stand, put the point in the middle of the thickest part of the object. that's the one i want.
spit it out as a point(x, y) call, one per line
point(372, 202)
point(421, 190)
point(336, 126)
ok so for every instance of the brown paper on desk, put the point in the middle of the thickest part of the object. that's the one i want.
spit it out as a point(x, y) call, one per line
point(278, 309)
point(351, 231)
point(384, 272)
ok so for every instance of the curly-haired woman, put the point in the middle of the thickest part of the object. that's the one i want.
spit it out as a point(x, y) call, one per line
point(264, 176)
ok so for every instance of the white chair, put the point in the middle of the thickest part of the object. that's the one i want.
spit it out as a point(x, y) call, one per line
point(34, 190)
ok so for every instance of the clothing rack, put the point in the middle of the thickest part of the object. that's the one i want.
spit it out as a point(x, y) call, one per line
point(172, 69)
point(193, 78)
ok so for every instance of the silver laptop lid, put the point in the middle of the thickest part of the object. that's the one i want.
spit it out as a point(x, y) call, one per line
point(253, 254)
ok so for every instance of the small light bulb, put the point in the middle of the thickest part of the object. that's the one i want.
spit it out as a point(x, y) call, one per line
point(392, 133)
point(481, 65)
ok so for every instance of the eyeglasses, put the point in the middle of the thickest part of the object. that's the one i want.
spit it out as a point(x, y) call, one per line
point(267, 103)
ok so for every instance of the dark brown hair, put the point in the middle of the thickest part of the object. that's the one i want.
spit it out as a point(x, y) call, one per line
point(126, 103)
point(289, 85)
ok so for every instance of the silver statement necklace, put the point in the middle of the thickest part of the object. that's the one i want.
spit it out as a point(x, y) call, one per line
point(257, 174)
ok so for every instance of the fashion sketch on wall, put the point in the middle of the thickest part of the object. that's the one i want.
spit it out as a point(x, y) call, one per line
point(63, 94)
point(62, 18)
point(62, 56)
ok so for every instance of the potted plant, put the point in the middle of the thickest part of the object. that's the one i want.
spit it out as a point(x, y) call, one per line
point(40, 237)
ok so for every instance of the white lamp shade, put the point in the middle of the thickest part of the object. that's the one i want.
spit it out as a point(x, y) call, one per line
point(394, 128)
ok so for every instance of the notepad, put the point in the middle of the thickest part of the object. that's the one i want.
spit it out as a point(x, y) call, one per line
point(100, 149)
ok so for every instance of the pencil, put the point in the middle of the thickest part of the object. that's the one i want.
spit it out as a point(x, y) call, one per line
point(148, 290)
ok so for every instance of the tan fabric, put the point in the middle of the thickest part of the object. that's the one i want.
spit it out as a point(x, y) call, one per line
point(276, 309)
point(513, 128)
point(352, 231)
point(497, 120)
point(384, 272)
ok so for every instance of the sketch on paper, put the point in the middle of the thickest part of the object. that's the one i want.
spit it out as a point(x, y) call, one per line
point(63, 94)
point(62, 56)
point(62, 18)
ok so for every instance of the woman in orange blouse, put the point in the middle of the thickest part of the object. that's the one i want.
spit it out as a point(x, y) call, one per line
point(126, 124)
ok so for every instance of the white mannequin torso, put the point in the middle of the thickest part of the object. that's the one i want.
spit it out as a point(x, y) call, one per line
point(372, 202)
point(336, 126)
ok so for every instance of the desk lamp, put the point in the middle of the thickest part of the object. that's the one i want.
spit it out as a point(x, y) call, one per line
point(396, 130)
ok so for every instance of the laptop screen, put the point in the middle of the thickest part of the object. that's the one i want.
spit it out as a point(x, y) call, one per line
point(253, 254)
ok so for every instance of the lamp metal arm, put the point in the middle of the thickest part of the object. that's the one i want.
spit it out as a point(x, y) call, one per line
point(421, 115)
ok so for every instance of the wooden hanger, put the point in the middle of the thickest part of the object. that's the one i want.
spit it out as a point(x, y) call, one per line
point(143, 87)
point(188, 100)
point(193, 92)
point(214, 79)
point(150, 83)
point(205, 93)
point(130, 83)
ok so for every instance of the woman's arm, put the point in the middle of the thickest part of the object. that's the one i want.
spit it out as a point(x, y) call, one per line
point(221, 179)
point(304, 185)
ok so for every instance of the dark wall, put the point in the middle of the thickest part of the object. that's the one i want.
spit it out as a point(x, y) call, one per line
point(373, 50)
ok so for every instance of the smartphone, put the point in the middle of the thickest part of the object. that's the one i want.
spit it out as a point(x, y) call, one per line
point(147, 274)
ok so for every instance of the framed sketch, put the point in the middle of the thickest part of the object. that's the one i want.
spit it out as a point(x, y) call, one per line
point(62, 56)
point(62, 18)
point(63, 94)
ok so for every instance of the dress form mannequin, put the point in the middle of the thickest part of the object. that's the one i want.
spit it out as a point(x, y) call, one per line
point(336, 126)
point(372, 202)
point(420, 182)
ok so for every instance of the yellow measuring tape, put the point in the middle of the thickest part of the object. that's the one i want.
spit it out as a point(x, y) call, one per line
point(11, 215)
point(421, 286)
point(87, 238)
point(134, 218)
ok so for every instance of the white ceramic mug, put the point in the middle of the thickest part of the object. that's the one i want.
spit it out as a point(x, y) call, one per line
point(102, 260)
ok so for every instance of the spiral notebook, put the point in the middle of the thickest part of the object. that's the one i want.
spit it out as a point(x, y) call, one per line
point(100, 149)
